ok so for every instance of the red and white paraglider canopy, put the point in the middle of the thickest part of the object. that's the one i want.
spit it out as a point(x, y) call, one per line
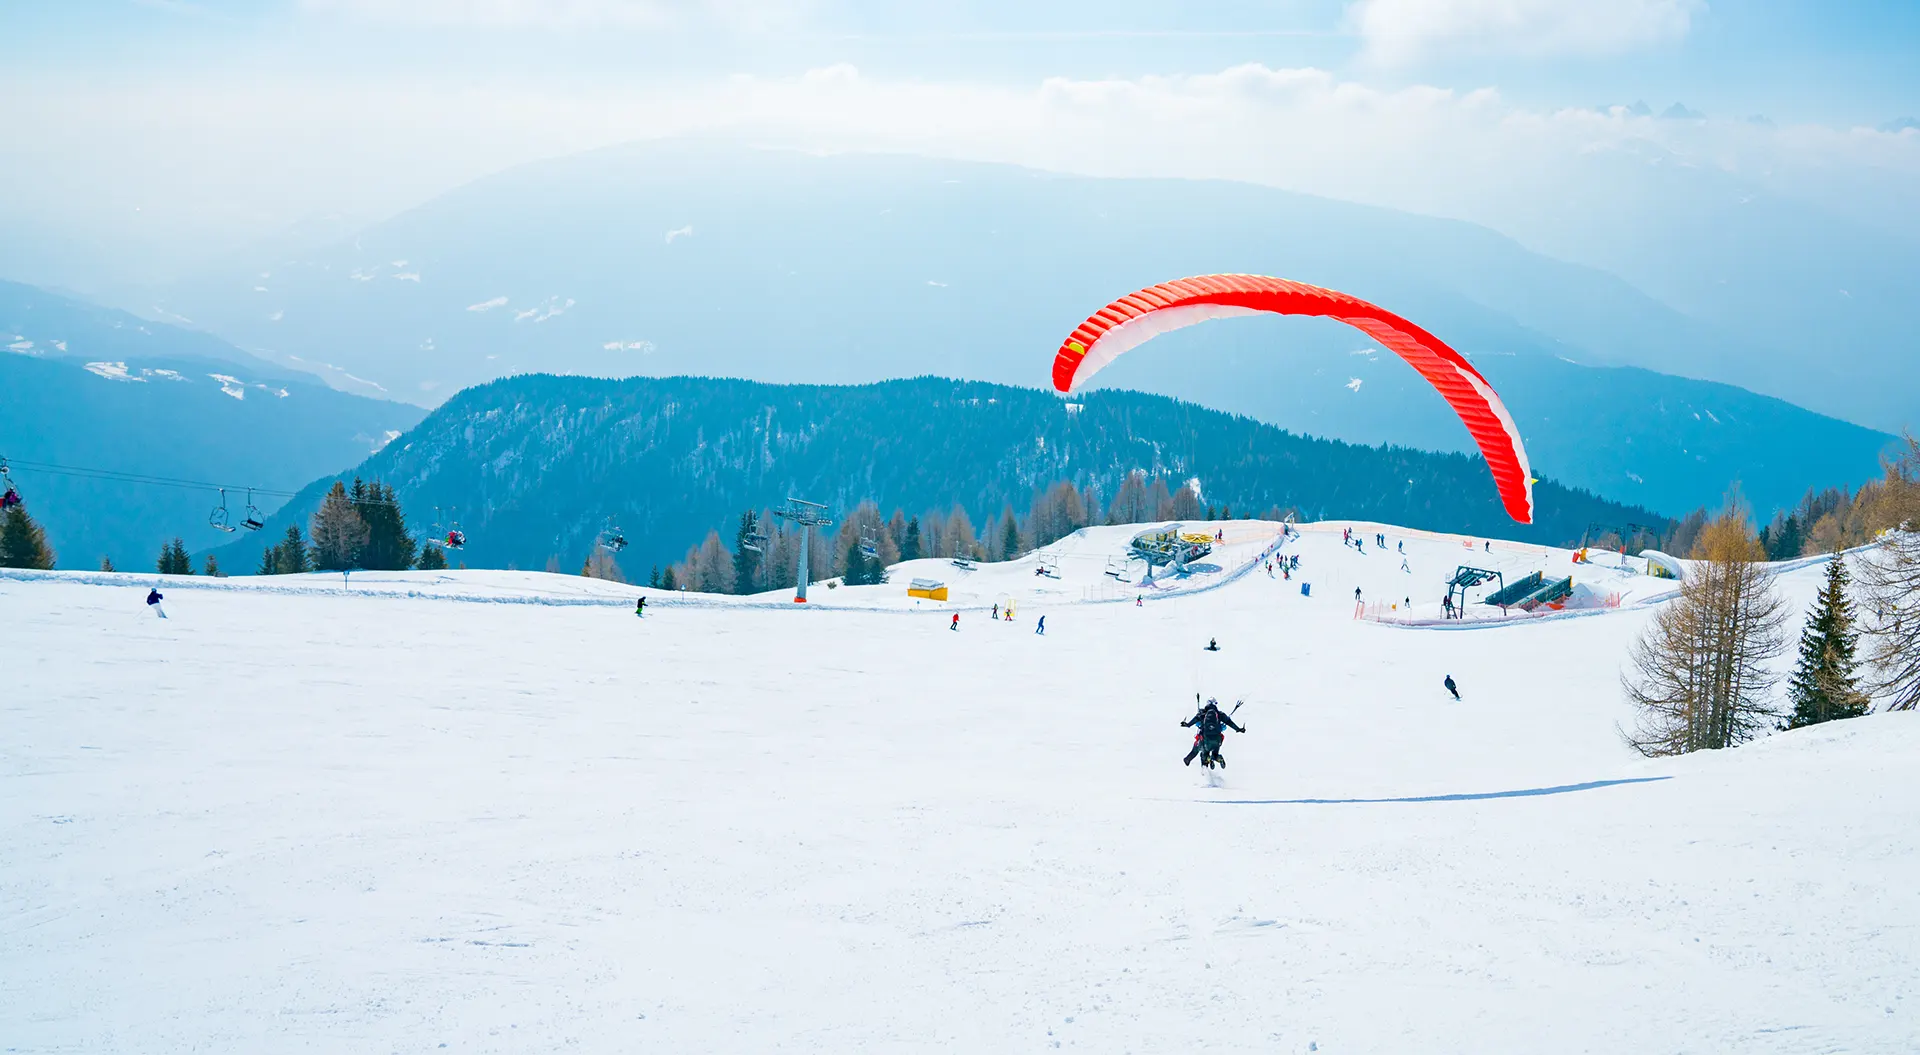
point(1139, 317)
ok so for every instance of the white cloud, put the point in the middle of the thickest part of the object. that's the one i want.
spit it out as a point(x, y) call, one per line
point(1354, 384)
point(544, 310)
point(1397, 32)
point(643, 347)
point(488, 305)
point(680, 232)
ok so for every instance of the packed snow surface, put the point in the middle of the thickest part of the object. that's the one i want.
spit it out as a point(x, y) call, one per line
point(494, 811)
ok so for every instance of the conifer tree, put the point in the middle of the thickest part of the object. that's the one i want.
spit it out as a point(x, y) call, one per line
point(213, 568)
point(1010, 544)
point(1824, 687)
point(666, 580)
point(338, 532)
point(431, 559)
point(746, 562)
point(653, 577)
point(388, 547)
point(106, 564)
point(910, 541)
point(23, 544)
point(290, 557)
point(174, 559)
point(856, 573)
point(268, 566)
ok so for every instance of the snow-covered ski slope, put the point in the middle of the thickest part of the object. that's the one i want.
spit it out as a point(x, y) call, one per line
point(302, 815)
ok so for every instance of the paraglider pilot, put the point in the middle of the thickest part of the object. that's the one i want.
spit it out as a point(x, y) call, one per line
point(1212, 724)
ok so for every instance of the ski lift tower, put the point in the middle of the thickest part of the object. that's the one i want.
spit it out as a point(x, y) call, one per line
point(808, 515)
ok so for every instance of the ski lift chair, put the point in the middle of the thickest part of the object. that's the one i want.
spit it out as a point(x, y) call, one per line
point(9, 495)
point(218, 518)
point(254, 521)
point(869, 548)
point(753, 542)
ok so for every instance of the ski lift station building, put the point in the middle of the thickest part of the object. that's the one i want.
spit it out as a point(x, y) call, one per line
point(929, 589)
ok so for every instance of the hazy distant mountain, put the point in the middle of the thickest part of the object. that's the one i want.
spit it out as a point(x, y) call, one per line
point(532, 466)
point(94, 389)
point(682, 257)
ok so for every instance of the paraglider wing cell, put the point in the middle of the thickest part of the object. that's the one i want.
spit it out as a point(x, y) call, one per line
point(1139, 317)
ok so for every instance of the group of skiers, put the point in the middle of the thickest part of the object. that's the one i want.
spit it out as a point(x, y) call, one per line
point(1039, 627)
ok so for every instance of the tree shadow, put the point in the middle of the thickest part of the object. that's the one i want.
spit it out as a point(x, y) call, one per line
point(1521, 793)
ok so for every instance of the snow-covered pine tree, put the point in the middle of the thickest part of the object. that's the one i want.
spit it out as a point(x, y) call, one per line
point(337, 530)
point(1824, 687)
point(23, 543)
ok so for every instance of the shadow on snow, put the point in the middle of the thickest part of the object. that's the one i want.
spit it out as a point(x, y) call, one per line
point(1560, 789)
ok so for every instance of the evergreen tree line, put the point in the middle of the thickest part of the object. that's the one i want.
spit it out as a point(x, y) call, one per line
point(1056, 511)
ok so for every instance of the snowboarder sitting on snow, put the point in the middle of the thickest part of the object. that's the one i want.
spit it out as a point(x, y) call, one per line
point(1451, 687)
point(1213, 645)
point(1212, 724)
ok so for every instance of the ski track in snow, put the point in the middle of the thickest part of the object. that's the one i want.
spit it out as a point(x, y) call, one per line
point(307, 815)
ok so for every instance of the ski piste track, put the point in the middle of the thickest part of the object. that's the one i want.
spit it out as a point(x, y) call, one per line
point(308, 814)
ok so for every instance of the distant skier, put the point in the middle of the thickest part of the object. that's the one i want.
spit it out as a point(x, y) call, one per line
point(1356, 595)
point(1403, 547)
point(640, 607)
point(955, 625)
point(1213, 645)
point(1211, 724)
point(1041, 627)
point(153, 601)
point(1451, 687)
point(1489, 545)
point(996, 610)
point(1139, 600)
point(1403, 566)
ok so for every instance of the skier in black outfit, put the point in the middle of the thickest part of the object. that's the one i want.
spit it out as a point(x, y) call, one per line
point(1212, 723)
point(1451, 687)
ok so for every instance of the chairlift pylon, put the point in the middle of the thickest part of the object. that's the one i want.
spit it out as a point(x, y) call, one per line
point(218, 518)
point(254, 521)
